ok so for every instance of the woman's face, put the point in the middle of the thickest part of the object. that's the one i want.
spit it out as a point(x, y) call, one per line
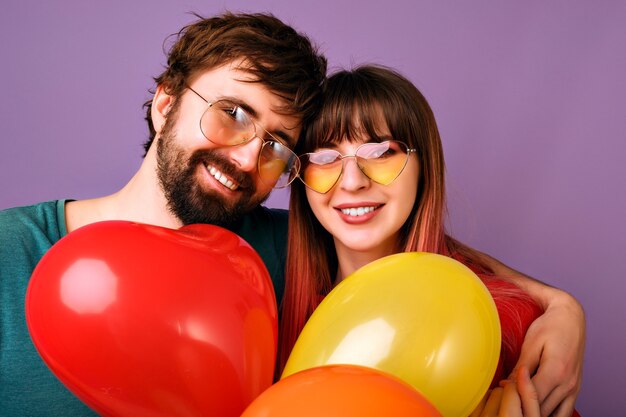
point(362, 215)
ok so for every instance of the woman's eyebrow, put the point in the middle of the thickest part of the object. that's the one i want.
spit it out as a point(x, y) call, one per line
point(379, 138)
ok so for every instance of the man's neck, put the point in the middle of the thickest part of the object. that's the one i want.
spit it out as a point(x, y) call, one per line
point(141, 200)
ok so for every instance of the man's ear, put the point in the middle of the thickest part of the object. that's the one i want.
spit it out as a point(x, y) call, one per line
point(161, 105)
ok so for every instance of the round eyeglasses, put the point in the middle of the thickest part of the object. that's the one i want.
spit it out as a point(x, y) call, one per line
point(225, 123)
point(382, 162)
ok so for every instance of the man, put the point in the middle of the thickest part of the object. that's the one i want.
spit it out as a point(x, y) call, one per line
point(226, 113)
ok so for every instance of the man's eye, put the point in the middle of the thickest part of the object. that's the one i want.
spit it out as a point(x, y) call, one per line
point(233, 112)
point(276, 146)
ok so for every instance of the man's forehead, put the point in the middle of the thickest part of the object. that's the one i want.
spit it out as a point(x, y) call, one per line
point(274, 111)
point(246, 73)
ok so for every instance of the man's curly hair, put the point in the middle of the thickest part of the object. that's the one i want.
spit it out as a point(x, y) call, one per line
point(277, 56)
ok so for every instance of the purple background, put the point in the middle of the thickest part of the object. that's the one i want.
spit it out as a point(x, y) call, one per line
point(530, 99)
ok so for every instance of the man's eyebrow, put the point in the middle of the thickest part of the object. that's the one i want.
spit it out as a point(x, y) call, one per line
point(245, 106)
point(289, 140)
point(280, 134)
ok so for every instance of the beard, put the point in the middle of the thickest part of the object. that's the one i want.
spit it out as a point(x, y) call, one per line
point(185, 195)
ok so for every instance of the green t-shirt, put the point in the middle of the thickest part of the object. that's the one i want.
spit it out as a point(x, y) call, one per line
point(27, 386)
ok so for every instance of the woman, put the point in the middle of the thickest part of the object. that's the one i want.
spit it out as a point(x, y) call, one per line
point(373, 185)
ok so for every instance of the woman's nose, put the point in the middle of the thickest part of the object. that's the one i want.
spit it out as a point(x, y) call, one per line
point(353, 178)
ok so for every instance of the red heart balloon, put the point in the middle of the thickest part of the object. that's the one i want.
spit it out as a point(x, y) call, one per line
point(140, 320)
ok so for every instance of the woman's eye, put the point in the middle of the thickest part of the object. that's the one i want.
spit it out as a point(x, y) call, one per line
point(323, 158)
point(375, 152)
point(387, 152)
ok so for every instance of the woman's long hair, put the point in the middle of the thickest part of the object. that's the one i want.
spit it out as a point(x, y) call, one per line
point(353, 105)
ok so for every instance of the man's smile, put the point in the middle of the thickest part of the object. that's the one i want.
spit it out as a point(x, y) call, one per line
point(223, 179)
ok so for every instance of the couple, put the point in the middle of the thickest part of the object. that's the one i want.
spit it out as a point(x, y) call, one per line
point(225, 120)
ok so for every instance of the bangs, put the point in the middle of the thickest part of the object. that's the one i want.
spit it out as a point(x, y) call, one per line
point(352, 111)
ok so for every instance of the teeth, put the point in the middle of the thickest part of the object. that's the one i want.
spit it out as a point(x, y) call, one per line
point(222, 178)
point(357, 211)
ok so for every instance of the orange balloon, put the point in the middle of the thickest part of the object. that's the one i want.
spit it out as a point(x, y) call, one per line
point(341, 391)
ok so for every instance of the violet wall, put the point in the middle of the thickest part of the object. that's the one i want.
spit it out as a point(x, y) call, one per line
point(530, 99)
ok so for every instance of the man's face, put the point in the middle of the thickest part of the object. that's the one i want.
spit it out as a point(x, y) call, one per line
point(204, 182)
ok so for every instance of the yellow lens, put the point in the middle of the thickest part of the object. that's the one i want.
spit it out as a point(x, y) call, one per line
point(322, 178)
point(382, 162)
point(383, 170)
point(226, 136)
point(278, 165)
point(271, 170)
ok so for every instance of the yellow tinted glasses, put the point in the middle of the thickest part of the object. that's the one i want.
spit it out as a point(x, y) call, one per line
point(382, 162)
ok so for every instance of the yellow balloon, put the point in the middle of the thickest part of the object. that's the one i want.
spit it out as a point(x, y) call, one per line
point(425, 318)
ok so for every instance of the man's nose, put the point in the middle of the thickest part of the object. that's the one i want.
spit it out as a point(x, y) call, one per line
point(245, 156)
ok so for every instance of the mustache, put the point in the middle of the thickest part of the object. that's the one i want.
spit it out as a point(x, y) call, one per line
point(210, 157)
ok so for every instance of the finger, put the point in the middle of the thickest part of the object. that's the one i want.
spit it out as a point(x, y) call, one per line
point(564, 409)
point(544, 378)
point(492, 406)
point(528, 394)
point(551, 403)
point(557, 390)
point(562, 391)
point(530, 357)
point(553, 380)
point(511, 405)
point(547, 395)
